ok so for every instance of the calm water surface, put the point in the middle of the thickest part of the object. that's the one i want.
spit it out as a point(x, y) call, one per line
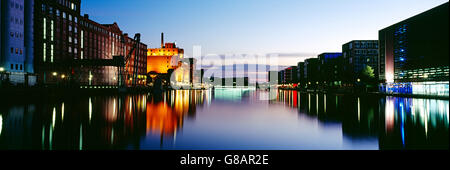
point(221, 119)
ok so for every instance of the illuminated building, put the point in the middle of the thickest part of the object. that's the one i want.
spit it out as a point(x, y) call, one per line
point(56, 39)
point(16, 41)
point(357, 55)
point(67, 41)
point(161, 60)
point(414, 54)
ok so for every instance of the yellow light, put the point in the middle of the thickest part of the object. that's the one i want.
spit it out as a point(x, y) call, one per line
point(63, 76)
point(55, 73)
point(2, 69)
point(359, 80)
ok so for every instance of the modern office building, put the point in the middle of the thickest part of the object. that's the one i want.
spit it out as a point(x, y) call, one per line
point(291, 75)
point(414, 55)
point(312, 72)
point(281, 77)
point(301, 75)
point(357, 55)
point(16, 37)
point(330, 69)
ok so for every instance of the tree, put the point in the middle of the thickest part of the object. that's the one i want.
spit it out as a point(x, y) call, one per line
point(367, 77)
point(367, 73)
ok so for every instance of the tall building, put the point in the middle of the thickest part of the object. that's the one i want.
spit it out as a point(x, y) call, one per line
point(290, 75)
point(161, 60)
point(301, 74)
point(16, 54)
point(73, 49)
point(56, 40)
point(357, 55)
point(330, 67)
point(414, 56)
point(312, 72)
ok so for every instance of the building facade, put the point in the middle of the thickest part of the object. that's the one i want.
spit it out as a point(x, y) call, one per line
point(138, 62)
point(161, 60)
point(414, 56)
point(330, 67)
point(56, 40)
point(16, 37)
point(312, 72)
point(357, 55)
point(74, 50)
point(301, 75)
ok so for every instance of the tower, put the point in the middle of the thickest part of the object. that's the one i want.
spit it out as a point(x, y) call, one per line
point(162, 40)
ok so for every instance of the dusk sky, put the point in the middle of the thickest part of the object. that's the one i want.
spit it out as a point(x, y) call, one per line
point(296, 28)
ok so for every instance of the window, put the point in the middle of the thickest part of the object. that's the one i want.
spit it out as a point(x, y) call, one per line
point(12, 50)
point(51, 53)
point(45, 28)
point(44, 52)
point(51, 33)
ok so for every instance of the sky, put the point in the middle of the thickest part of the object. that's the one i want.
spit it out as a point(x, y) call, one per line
point(296, 29)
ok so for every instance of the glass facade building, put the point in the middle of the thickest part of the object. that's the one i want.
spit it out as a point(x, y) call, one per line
point(414, 56)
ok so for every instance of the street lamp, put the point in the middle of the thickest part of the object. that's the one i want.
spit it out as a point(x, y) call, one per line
point(2, 69)
point(55, 73)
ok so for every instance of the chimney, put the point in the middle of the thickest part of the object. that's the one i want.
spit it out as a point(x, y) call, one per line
point(162, 40)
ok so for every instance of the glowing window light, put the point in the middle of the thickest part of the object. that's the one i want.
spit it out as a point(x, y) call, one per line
point(1, 124)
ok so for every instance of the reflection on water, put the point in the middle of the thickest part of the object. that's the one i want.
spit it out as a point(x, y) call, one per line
point(226, 119)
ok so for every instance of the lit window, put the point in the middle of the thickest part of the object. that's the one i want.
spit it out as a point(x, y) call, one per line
point(45, 27)
point(51, 53)
point(44, 52)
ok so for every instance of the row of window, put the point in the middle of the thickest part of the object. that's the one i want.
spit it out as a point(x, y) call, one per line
point(16, 34)
point(68, 4)
point(18, 51)
point(58, 13)
point(16, 5)
point(17, 67)
point(16, 20)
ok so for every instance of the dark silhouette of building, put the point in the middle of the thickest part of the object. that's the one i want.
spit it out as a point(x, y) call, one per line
point(357, 55)
point(330, 69)
point(312, 72)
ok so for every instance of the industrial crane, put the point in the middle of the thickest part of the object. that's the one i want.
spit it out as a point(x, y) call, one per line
point(123, 61)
